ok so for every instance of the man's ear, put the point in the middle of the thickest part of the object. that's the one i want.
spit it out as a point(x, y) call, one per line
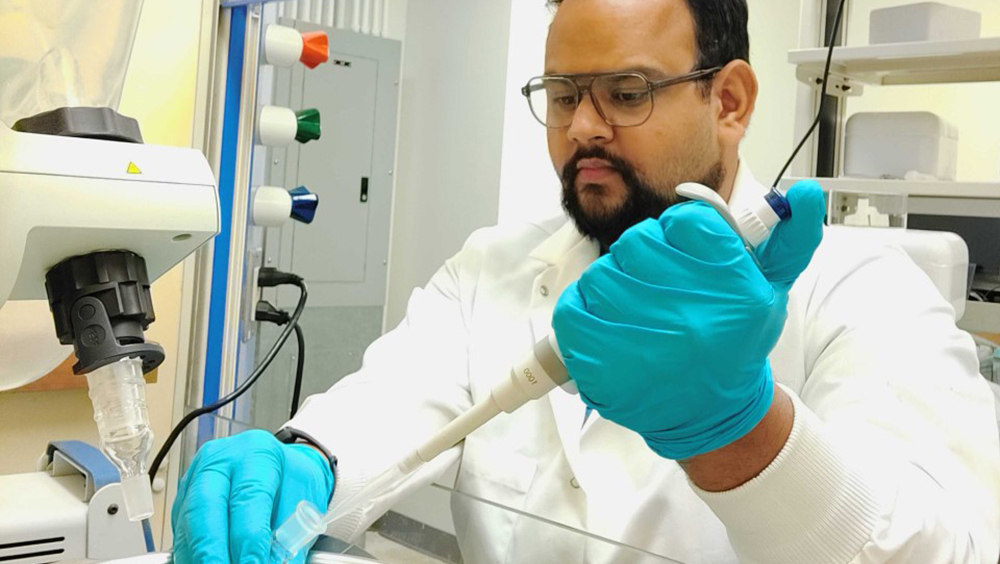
point(734, 90)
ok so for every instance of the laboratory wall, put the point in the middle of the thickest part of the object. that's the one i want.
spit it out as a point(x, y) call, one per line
point(159, 93)
point(450, 136)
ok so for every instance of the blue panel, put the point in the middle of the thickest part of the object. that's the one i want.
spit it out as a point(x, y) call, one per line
point(96, 467)
point(220, 257)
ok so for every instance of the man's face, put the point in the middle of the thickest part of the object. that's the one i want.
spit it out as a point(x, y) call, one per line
point(614, 177)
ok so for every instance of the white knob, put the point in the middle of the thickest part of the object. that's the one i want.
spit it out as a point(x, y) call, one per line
point(272, 206)
point(276, 126)
point(282, 45)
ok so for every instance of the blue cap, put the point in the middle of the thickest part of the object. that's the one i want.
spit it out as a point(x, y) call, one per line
point(779, 204)
point(304, 204)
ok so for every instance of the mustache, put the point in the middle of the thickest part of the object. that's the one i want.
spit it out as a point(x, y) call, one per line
point(570, 170)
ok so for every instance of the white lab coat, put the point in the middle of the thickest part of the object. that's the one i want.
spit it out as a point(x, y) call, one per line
point(893, 457)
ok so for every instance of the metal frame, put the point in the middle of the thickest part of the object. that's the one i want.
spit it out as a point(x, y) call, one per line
point(229, 368)
point(195, 286)
point(217, 270)
point(830, 133)
point(816, 21)
point(812, 32)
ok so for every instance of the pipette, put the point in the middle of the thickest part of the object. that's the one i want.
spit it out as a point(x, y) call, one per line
point(753, 225)
point(532, 378)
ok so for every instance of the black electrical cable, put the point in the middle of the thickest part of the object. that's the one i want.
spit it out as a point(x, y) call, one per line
point(299, 367)
point(242, 389)
point(823, 96)
point(267, 312)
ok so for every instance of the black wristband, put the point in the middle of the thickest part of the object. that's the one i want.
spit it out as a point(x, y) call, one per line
point(290, 435)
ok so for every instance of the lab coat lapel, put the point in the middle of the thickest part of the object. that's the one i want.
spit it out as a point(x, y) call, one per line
point(567, 254)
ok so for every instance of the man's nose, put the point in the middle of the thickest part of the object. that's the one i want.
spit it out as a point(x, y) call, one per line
point(588, 127)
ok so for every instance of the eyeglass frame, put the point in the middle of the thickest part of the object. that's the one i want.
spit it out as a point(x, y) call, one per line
point(652, 86)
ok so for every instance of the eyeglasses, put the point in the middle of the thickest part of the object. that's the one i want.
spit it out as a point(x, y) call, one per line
point(623, 99)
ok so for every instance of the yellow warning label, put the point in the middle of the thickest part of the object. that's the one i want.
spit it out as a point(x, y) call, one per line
point(132, 169)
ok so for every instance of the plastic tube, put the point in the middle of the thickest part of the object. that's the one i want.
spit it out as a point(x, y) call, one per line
point(118, 393)
point(307, 523)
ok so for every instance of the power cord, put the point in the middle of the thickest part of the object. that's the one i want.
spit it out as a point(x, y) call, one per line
point(269, 313)
point(823, 97)
point(300, 365)
point(267, 277)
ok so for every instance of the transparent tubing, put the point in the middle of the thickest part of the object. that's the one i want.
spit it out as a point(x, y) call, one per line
point(118, 393)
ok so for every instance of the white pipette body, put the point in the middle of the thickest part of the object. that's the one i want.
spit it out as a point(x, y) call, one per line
point(532, 378)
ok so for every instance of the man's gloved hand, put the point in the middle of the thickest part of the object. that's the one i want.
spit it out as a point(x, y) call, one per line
point(668, 334)
point(237, 491)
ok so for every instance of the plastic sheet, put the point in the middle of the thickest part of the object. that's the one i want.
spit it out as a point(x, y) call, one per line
point(67, 53)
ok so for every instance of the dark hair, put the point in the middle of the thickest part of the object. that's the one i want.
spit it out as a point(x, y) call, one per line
point(720, 29)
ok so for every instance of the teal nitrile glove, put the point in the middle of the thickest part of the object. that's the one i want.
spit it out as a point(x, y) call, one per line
point(668, 334)
point(237, 491)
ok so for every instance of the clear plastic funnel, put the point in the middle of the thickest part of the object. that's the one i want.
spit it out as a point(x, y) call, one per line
point(63, 54)
point(118, 393)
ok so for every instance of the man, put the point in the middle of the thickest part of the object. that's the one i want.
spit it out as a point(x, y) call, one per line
point(877, 444)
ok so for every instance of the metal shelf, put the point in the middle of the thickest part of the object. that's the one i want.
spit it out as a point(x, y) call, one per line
point(962, 199)
point(932, 62)
point(933, 189)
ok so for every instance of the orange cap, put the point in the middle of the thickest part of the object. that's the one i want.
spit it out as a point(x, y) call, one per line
point(315, 48)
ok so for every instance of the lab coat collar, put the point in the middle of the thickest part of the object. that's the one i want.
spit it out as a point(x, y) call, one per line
point(746, 189)
point(567, 240)
point(555, 249)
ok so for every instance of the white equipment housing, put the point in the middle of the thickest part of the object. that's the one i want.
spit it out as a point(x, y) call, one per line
point(71, 509)
point(64, 196)
point(61, 197)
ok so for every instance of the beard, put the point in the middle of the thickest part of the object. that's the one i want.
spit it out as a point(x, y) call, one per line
point(642, 200)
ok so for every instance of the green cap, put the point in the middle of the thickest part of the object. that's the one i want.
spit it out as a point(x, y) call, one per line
point(309, 126)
